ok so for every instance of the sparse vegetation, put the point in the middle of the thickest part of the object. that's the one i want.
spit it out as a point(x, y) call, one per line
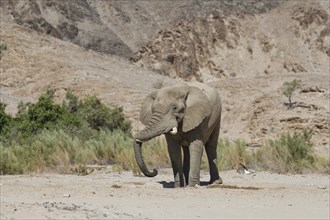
point(3, 48)
point(289, 153)
point(66, 138)
point(230, 154)
point(45, 132)
point(289, 88)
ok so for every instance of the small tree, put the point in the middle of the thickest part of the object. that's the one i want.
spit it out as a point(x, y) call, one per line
point(289, 88)
point(3, 47)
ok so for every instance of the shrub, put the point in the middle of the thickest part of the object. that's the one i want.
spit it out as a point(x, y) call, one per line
point(289, 88)
point(3, 47)
point(45, 134)
point(44, 114)
point(5, 119)
point(230, 154)
point(83, 118)
point(71, 102)
point(99, 116)
point(290, 153)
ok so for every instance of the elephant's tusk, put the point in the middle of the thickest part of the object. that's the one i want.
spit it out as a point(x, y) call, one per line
point(174, 131)
point(138, 140)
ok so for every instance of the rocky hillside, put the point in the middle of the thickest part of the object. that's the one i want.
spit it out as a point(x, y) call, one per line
point(291, 38)
point(122, 50)
point(114, 27)
point(190, 39)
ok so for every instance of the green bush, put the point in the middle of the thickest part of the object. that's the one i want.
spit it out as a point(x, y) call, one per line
point(46, 134)
point(71, 102)
point(44, 114)
point(83, 118)
point(99, 116)
point(5, 119)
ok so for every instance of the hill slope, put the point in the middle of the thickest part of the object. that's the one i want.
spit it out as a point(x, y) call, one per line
point(247, 50)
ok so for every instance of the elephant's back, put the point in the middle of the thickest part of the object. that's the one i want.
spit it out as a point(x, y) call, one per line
point(211, 93)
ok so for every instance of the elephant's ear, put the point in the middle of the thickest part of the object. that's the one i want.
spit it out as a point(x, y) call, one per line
point(198, 107)
point(145, 113)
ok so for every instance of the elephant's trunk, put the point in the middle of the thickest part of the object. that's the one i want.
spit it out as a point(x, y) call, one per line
point(144, 135)
point(140, 161)
point(148, 133)
point(155, 127)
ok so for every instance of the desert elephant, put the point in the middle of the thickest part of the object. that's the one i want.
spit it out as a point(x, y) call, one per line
point(189, 115)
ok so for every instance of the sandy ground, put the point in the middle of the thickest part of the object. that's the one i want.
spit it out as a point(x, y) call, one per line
point(111, 195)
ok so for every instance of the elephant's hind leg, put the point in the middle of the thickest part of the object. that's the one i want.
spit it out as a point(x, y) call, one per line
point(211, 151)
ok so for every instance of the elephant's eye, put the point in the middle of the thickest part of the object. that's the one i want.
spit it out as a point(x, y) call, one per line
point(174, 108)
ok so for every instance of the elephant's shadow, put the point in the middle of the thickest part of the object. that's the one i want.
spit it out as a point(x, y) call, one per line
point(169, 185)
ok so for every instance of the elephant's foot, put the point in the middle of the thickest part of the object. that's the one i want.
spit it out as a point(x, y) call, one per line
point(216, 182)
point(179, 180)
point(178, 184)
point(194, 183)
point(193, 186)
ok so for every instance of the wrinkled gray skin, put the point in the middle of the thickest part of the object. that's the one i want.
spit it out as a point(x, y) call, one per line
point(195, 110)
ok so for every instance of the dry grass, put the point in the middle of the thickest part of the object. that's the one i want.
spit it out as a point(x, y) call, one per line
point(291, 153)
point(57, 151)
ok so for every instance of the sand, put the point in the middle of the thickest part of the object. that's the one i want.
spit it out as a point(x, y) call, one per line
point(104, 194)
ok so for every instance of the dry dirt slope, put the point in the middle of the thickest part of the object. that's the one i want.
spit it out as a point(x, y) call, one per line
point(33, 62)
point(250, 58)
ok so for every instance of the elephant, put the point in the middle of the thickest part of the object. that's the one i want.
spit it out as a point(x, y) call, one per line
point(189, 115)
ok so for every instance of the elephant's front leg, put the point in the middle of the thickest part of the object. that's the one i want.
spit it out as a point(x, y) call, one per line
point(186, 163)
point(196, 152)
point(174, 150)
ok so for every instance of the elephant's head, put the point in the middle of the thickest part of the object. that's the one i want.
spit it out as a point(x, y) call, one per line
point(170, 110)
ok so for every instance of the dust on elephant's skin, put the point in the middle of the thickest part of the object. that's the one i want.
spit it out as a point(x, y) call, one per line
point(189, 115)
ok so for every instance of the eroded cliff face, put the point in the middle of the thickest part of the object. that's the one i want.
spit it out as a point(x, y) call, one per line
point(186, 50)
point(293, 37)
point(189, 39)
point(74, 21)
point(113, 27)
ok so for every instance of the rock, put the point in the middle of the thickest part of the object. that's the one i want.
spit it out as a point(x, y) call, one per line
point(116, 186)
point(294, 119)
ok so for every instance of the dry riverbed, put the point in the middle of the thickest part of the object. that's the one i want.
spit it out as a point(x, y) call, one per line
point(111, 195)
